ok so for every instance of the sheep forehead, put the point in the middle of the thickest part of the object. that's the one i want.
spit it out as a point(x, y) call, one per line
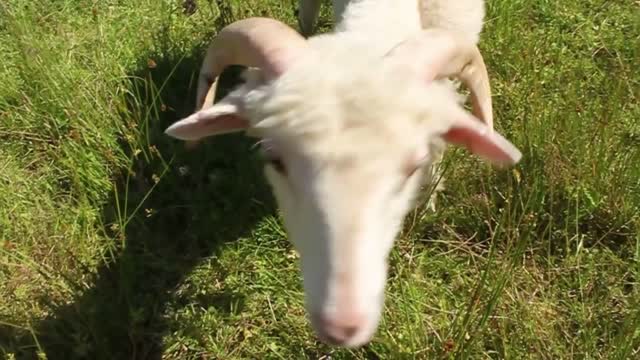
point(344, 131)
point(361, 106)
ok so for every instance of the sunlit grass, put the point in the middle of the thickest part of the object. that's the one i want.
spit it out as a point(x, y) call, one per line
point(116, 242)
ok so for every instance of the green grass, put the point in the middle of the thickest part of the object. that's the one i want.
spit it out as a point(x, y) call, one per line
point(116, 243)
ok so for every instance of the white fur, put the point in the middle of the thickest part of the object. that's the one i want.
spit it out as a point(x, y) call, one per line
point(348, 126)
point(386, 17)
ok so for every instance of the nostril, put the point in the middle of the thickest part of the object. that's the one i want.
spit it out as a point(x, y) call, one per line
point(349, 331)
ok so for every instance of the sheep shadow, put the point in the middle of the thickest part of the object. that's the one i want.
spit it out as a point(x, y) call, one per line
point(173, 208)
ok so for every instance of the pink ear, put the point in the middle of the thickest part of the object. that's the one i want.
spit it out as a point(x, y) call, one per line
point(482, 141)
point(219, 119)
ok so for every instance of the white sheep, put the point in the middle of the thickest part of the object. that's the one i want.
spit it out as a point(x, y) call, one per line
point(350, 123)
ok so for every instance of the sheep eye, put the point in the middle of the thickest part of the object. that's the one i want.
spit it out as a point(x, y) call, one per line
point(270, 156)
point(413, 166)
point(277, 164)
point(411, 169)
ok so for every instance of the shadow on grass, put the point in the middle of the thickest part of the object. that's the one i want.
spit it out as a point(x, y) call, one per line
point(204, 198)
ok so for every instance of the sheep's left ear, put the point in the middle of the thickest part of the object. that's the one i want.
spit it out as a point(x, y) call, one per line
point(221, 118)
point(479, 139)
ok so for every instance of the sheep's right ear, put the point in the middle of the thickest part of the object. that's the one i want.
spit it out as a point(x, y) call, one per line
point(221, 118)
point(472, 134)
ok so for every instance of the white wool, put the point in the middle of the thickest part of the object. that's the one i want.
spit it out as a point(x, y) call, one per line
point(386, 21)
point(329, 109)
point(465, 16)
point(344, 81)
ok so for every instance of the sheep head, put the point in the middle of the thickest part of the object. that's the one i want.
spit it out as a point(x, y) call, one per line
point(346, 138)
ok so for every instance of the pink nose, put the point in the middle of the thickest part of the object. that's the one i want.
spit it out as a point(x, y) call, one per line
point(340, 328)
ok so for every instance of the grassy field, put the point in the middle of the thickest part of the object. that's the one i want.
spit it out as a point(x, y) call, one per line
point(116, 243)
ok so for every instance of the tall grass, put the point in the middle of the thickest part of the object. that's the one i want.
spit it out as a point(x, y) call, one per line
point(115, 242)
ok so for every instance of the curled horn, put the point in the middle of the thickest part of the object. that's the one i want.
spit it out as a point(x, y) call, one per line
point(439, 53)
point(258, 42)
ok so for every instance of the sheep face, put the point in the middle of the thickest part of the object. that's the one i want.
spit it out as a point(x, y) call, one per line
point(344, 171)
point(342, 212)
point(345, 151)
